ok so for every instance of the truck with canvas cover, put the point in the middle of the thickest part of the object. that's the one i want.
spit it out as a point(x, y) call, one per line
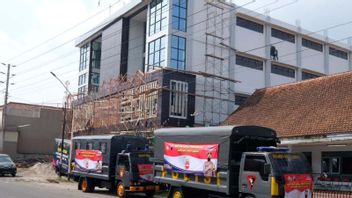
point(228, 161)
point(119, 163)
point(60, 157)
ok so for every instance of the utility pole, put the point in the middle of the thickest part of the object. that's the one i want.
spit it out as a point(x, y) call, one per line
point(4, 109)
point(62, 139)
point(63, 130)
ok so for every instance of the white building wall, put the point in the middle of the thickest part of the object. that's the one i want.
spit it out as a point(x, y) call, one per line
point(337, 65)
point(286, 51)
point(312, 60)
point(279, 79)
point(251, 79)
point(247, 40)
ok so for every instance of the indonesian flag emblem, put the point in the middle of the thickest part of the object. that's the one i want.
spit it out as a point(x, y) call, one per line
point(251, 180)
point(187, 164)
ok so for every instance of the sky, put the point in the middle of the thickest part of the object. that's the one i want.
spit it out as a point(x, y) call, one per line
point(38, 36)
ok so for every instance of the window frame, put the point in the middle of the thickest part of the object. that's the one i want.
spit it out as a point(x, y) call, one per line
point(178, 50)
point(101, 147)
point(160, 51)
point(330, 164)
point(95, 60)
point(249, 24)
point(260, 172)
point(312, 45)
point(84, 57)
point(280, 70)
point(178, 97)
point(77, 145)
point(309, 75)
point(242, 97)
point(245, 62)
point(176, 16)
point(285, 36)
point(338, 53)
point(158, 16)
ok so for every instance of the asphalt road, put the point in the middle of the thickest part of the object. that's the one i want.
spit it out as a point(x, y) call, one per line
point(17, 189)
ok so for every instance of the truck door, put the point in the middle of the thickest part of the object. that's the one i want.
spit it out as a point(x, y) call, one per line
point(124, 169)
point(253, 181)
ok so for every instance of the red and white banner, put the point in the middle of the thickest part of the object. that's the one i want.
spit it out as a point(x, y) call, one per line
point(145, 171)
point(200, 159)
point(298, 186)
point(89, 160)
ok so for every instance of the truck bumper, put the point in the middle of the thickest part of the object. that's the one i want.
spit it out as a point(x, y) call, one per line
point(144, 188)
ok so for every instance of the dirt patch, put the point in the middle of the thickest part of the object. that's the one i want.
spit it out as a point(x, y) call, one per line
point(39, 172)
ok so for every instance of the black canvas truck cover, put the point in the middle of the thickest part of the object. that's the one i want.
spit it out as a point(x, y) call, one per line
point(95, 156)
point(229, 141)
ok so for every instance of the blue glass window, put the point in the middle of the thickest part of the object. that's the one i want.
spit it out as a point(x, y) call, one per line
point(84, 57)
point(156, 54)
point(82, 79)
point(179, 15)
point(178, 52)
point(96, 53)
point(158, 16)
point(95, 78)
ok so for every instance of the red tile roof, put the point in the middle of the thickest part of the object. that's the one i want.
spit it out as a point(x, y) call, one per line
point(312, 107)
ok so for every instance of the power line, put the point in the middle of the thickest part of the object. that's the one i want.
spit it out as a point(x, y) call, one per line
point(113, 33)
point(63, 32)
point(101, 25)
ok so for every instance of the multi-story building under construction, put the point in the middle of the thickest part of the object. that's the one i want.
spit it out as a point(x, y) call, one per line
point(228, 50)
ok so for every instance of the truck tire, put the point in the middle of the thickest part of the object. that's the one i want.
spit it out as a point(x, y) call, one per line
point(150, 193)
point(87, 185)
point(177, 193)
point(120, 190)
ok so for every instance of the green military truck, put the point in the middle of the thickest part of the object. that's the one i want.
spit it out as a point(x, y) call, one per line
point(228, 161)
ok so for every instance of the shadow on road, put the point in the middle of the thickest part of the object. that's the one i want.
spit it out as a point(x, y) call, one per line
point(131, 195)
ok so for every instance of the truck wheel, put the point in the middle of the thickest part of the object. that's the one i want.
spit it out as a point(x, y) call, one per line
point(87, 185)
point(120, 190)
point(150, 193)
point(177, 193)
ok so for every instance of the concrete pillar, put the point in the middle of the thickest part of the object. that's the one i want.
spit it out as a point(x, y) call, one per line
point(299, 52)
point(232, 59)
point(350, 54)
point(267, 62)
point(316, 162)
point(326, 53)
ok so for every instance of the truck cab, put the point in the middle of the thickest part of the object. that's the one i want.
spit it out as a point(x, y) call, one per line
point(274, 172)
point(134, 173)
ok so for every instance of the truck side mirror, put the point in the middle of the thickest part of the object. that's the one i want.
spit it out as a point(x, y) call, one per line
point(267, 169)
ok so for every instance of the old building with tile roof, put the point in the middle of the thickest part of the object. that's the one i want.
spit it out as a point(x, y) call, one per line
point(313, 117)
point(319, 106)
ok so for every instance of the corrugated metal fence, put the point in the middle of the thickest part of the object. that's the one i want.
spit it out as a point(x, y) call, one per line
point(331, 194)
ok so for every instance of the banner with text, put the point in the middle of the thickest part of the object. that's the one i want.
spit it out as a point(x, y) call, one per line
point(89, 160)
point(199, 159)
point(298, 186)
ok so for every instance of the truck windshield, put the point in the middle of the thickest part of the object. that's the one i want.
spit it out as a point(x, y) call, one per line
point(289, 163)
point(141, 158)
